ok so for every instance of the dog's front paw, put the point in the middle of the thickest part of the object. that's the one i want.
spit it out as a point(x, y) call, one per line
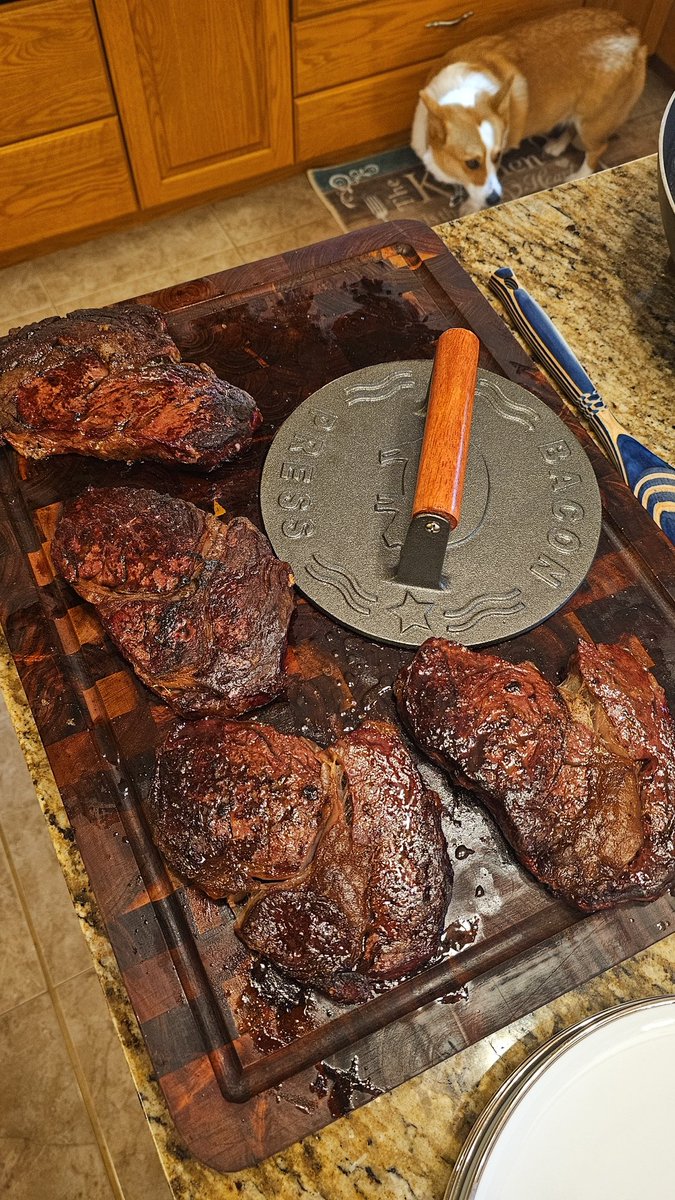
point(469, 206)
point(558, 143)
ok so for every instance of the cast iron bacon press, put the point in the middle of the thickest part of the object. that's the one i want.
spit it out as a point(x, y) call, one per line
point(417, 499)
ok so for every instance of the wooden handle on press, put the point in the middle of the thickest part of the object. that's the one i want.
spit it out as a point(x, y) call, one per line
point(440, 478)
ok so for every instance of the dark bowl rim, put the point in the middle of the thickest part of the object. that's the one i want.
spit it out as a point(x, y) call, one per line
point(662, 169)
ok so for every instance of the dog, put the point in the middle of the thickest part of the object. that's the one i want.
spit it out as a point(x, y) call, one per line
point(577, 72)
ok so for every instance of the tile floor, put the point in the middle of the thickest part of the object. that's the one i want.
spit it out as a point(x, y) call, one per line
point(71, 1126)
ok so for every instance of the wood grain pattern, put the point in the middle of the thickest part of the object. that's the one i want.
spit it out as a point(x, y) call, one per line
point(52, 69)
point(440, 478)
point(385, 34)
point(354, 114)
point(665, 49)
point(204, 91)
point(301, 9)
point(63, 181)
point(248, 1065)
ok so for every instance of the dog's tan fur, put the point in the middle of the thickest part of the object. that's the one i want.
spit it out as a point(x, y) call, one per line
point(583, 69)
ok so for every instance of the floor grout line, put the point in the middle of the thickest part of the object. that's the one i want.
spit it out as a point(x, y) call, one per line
point(193, 269)
point(52, 991)
point(283, 232)
point(26, 1000)
point(75, 975)
point(34, 262)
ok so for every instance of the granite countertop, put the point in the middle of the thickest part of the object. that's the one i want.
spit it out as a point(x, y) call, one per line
point(594, 254)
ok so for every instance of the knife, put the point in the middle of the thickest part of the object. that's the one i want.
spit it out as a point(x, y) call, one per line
point(651, 479)
point(445, 445)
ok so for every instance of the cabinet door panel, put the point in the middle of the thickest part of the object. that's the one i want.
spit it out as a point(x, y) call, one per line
point(52, 71)
point(62, 182)
point(203, 90)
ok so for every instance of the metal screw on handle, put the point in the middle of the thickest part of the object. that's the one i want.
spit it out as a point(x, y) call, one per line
point(447, 24)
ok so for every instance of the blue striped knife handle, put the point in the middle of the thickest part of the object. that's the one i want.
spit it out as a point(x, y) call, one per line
point(650, 478)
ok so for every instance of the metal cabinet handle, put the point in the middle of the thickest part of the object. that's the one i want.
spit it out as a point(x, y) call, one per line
point(446, 24)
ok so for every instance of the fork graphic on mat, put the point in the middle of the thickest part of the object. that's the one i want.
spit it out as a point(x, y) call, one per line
point(377, 208)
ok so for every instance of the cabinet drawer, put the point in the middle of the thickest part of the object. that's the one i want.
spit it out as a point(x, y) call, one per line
point(204, 91)
point(317, 8)
point(343, 46)
point(367, 111)
point(52, 72)
point(62, 182)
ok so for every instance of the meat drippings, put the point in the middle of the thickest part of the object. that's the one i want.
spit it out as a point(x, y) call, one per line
point(343, 858)
point(580, 778)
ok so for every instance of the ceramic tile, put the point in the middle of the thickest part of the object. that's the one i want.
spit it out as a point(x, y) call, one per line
point(290, 239)
point(20, 974)
point(26, 318)
point(269, 210)
point(115, 1098)
point(178, 272)
point(48, 1149)
point(40, 878)
point(637, 138)
point(655, 96)
point(21, 291)
point(111, 265)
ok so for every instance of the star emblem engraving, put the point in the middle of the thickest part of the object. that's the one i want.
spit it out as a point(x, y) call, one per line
point(411, 612)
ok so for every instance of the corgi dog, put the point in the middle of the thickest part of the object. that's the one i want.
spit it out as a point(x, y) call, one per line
point(577, 72)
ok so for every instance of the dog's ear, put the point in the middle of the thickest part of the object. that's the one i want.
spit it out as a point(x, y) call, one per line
point(433, 106)
point(500, 100)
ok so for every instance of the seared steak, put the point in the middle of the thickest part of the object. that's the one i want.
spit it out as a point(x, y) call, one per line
point(580, 779)
point(201, 609)
point(124, 335)
point(107, 382)
point(235, 804)
point(370, 906)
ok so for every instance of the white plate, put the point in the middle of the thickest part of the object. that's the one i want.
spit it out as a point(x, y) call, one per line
point(596, 1120)
point(484, 1130)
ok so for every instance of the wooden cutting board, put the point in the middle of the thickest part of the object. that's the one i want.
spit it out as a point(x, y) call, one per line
point(249, 1062)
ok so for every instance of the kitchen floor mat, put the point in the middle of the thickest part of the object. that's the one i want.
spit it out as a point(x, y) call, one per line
point(395, 183)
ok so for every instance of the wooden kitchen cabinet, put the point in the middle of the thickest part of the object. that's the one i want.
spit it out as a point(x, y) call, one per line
point(203, 89)
point(52, 186)
point(63, 166)
point(191, 98)
point(358, 70)
point(359, 64)
point(52, 70)
point(382, 35)
point(666, 44)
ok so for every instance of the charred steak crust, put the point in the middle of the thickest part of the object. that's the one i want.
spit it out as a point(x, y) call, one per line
point(370, 906)
point(199, 608)
point(107, 382)
point(580, 778)
point(340, 851)
point(234, 804)
point(121, 335)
